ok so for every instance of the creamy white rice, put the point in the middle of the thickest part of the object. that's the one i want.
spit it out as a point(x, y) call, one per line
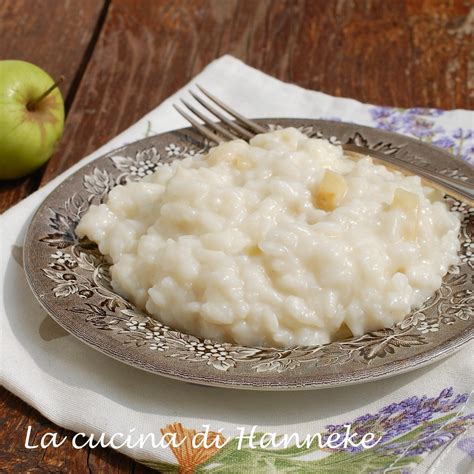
point(242, 246)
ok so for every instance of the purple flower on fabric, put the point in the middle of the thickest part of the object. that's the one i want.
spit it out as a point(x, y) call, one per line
point(446, 393)
point(467, 445)
point(421, 123)
point(444, 142)
point(461, 133)
point(461, 398)
point(397, 419)
point(381, 112)
point(424, 111)
point(409, 121)
point(469, 151)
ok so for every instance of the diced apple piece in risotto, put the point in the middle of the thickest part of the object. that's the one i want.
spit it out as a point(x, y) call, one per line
point(409, 204)
point(331, 191)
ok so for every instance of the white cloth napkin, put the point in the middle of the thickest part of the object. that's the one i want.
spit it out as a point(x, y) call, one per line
point(82, 390)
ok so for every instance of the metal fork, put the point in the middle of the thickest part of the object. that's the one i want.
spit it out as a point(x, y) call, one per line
point(243, 128)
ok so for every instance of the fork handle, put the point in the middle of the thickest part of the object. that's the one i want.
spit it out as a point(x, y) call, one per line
point(454, 187)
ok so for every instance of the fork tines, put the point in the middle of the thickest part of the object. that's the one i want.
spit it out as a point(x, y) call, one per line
point(227, 129)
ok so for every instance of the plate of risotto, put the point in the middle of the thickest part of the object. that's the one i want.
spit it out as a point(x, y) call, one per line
point(282, 263)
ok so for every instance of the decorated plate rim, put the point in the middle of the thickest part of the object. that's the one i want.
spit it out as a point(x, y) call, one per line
point(204, 371)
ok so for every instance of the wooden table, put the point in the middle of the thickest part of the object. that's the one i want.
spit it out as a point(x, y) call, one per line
point(123, 57)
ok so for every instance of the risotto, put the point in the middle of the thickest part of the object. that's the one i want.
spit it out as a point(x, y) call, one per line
point(282, 241)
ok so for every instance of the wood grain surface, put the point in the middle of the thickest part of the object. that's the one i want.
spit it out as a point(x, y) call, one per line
point(123, 57)
point(58, 36)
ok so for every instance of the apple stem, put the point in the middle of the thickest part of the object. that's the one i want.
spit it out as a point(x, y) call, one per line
point(32, 105)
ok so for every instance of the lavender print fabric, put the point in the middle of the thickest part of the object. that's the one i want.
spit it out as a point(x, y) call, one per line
point(427, 125)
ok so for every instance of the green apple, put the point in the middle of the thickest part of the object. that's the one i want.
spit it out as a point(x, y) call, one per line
point(31, 118)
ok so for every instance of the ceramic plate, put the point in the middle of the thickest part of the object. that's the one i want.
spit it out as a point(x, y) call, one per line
point(71, 281)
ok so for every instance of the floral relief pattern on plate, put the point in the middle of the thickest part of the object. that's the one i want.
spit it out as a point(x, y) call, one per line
point(75, 283)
